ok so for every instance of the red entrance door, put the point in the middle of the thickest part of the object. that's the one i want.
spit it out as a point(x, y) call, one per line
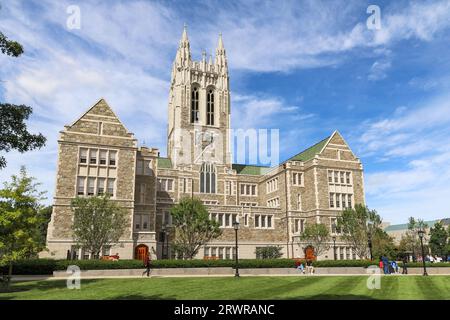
point(309, 253)
point(141, 252)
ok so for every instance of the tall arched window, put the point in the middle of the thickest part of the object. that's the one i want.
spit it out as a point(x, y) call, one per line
point(194, 105)
point(210, 107)
point(208, 178)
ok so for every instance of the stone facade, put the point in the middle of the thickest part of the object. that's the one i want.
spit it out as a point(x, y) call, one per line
point(273, 204)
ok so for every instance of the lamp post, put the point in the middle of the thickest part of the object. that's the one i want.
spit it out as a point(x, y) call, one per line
point(334, 247)
point(421, 233)
point(167, 244)
point(236, 228)
point(163, 229)
point(369, 238)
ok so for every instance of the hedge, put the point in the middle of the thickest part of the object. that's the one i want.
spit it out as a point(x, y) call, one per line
point(47, 266)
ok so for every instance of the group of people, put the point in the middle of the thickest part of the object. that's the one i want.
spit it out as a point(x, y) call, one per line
point(391, 267)
point(309, 267)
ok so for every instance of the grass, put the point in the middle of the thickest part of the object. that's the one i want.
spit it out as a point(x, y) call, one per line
point(223, 288)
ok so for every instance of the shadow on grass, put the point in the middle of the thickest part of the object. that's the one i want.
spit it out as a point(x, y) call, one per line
point(43, 285)
point(336, 297)
point(136, 296)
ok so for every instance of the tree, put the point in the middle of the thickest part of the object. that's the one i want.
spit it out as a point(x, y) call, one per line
point(13, 130)
point(97, 222)
point(9, 47)
point(20, 220)
point(413, 227)
point(270, 252)
point(356, 225)
point(408, 244)
point(317, 236)
point(45, 215)
point(193, 228)
point(383, 244)
point(438, 241)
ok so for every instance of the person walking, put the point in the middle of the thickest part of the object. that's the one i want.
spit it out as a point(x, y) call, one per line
point(147, 265)
point(404, 266)
point(385, 265)
point(309, 267)
point(301, 268)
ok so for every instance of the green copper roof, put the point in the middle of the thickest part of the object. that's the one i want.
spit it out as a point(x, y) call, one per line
point(164, 163)
point(404, 226)
point(250, 169)
point(309, 153)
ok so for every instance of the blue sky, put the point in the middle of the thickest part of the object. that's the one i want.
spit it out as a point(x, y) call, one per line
point(305, 67)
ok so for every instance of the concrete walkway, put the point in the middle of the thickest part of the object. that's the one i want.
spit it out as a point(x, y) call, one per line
point(49, 278)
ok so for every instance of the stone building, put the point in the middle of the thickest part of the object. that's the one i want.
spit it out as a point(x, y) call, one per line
point(97, 154)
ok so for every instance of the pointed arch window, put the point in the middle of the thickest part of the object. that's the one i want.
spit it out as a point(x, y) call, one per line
point(208, 178)
point(210, 107)
point(194, 105)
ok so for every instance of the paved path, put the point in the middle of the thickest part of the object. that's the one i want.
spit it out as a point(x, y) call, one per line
point(43, 277)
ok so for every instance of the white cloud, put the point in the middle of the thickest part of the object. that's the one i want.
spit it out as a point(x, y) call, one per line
point(310, 34)
point(378, 70)
point(259, 111)
point(415, 141)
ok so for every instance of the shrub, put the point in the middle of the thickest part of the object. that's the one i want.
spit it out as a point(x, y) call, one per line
point(47, 266)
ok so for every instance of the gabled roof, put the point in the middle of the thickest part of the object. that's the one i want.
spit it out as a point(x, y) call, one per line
point(101, 103)
point(164, 163)
point(310, 152)
point(250, 169)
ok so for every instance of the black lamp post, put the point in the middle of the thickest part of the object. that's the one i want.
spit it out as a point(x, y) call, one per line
point(167, 244)
point(369, 238)
point(334, 247)
point(421, 234)
point(236, 228)
point(163, 229)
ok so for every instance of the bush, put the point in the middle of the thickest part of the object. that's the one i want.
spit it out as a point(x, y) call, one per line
point(47, 266)
point(32, 267)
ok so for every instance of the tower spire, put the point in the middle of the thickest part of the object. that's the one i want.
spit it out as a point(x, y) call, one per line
point(184, 49)
point(220, 45)
point(221, 59)
point(184, 36)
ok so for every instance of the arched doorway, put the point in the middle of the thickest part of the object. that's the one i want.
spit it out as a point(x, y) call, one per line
point(141, 252)
point(309, 253)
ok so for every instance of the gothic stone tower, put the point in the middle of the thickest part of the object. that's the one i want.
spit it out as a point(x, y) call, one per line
point(199, 108)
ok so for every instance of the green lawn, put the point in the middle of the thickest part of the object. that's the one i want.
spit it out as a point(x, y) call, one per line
point(222, 288)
